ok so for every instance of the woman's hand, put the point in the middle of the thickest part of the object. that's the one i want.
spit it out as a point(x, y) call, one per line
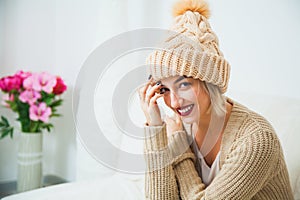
point(148, 97)
point(174, 124)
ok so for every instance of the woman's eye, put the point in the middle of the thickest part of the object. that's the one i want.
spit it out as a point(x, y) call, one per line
point(184, 84)
point(163, 90)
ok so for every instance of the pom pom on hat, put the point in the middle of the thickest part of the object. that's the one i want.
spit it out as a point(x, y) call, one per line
point(182, 6)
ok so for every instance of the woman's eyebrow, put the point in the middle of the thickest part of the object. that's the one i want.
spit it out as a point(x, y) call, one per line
point(179, 79)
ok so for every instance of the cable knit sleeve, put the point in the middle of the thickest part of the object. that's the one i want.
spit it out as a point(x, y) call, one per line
point(160, 182)
point(160, 154)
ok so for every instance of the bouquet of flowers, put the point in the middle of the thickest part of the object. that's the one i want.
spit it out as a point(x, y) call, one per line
point(34, 97)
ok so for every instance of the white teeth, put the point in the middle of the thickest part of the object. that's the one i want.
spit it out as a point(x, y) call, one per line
point(186, 109)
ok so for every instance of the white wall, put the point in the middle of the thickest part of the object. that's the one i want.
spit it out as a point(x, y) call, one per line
point(2, 14)
point(259, 38)
point(261, 41)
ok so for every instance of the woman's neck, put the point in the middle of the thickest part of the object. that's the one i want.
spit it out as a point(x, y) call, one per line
point(201, 129)
point(212, 145)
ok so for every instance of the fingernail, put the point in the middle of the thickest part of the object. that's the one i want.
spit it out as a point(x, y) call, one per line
point(150, 76)
point(158, 82)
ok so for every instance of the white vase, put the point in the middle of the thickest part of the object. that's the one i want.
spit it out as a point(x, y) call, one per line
point(30, 151)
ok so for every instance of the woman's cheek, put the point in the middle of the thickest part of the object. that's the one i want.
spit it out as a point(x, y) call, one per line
point(188, 95)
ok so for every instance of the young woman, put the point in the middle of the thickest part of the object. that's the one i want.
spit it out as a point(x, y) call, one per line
point(213, 148)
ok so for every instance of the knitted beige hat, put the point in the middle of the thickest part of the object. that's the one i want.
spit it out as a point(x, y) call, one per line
point(192, 49)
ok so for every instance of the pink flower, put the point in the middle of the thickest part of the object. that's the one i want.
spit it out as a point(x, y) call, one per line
point(28, 82)
point(7, 97)
point(39, 112)
point(10, 83)
point(29, 96)
point(40, 81)
point(23, 75)
point(60, 86)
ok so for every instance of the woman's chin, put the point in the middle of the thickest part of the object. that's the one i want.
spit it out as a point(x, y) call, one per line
point(191, 118)
point(188, 120)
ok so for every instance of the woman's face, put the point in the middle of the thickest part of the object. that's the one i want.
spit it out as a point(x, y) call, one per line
point(186, 96)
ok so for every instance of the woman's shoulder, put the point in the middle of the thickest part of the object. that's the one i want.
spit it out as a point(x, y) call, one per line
point(247, 130)
point(250, 121)
point(254, 132)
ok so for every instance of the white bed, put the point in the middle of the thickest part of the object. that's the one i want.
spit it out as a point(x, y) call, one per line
point(113, 187)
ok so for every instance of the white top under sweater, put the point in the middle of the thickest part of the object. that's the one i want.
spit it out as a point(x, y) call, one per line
point(206, 173)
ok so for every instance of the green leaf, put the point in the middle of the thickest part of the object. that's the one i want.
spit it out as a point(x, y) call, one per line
point(34, 126)
point(13, 105)
point(23, 111)
point(11, 132)
point(46, 95)
point(56, 103)
point(47, 98)
point(25, 124)
point(4, 133)
point(4, 120)
point(56, 115)
point(47, 126)
point(5, 128)
point(48, 101)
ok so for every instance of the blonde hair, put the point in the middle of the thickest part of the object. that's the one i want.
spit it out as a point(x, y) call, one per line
point(216, 97)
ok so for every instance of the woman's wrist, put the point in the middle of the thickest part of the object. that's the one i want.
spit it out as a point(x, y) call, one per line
point(155, 137)
point(154, 123)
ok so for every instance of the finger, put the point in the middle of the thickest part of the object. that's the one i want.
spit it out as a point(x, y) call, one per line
point(172, 116)
point(154, 89)
point(178, 120)
point(143, 90)
point(154, 98)
point(177, 117)
point(169, 120)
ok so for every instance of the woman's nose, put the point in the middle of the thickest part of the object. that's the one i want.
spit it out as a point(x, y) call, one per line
point(175, 100)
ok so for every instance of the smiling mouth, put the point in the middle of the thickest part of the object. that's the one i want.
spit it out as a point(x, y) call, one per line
point(186, 110)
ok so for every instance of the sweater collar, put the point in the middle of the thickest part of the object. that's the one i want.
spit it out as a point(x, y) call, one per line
point(237, 116)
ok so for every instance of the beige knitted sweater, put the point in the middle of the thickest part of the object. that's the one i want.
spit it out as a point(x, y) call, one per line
point(252, 163)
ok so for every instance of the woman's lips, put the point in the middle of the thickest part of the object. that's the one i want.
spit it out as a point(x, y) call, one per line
point(186, 110)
